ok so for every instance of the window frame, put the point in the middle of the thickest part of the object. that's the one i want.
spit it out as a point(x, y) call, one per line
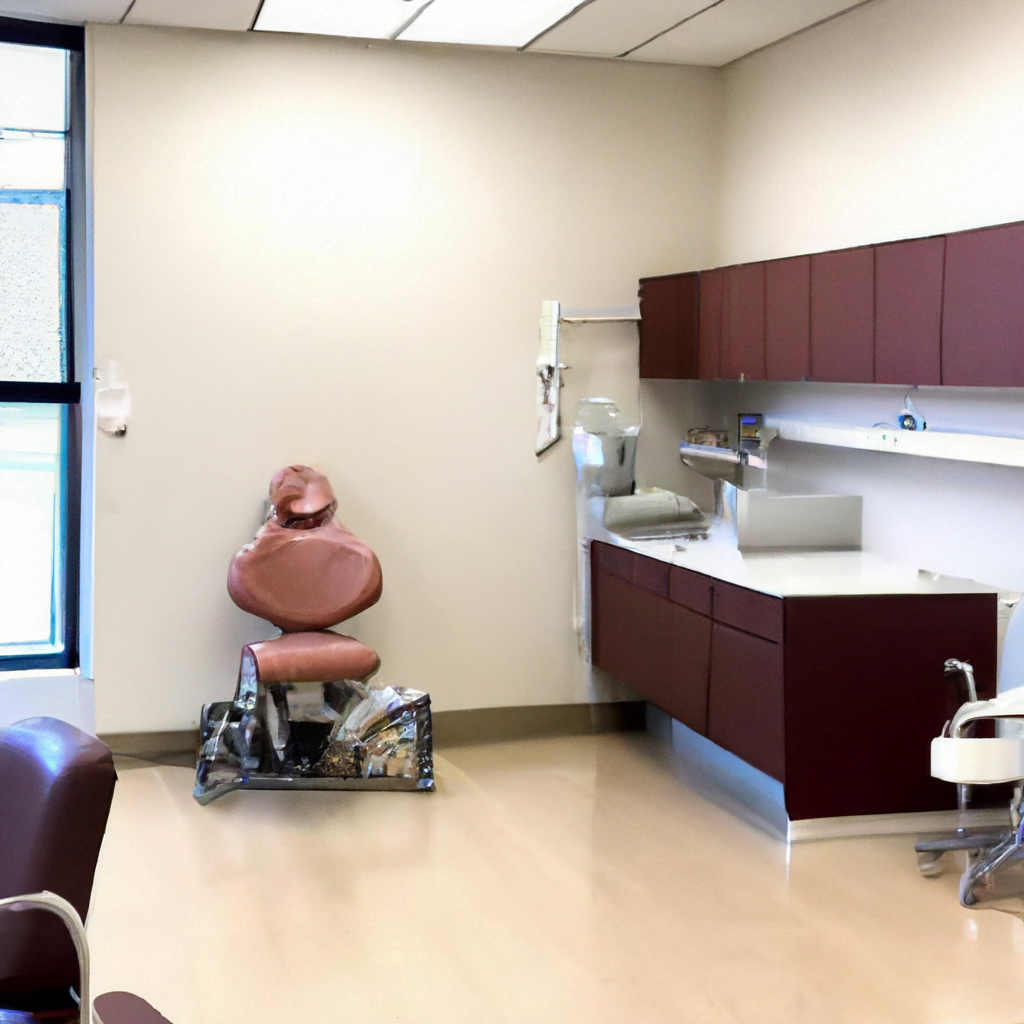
point(69, 393)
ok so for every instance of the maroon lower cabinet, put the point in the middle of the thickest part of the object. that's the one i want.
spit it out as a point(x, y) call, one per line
point(908, 311)
point(865, 694)
point(668, 326)
point(983, 308)
point(838, 697)
point(843, 316)
point(746, 698)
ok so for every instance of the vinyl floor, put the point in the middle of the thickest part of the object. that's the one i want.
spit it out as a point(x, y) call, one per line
point(584, 879)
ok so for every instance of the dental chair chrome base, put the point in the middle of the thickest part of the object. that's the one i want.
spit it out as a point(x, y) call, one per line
point(994, 877)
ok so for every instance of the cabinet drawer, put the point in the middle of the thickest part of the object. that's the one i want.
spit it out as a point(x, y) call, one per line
point(745, 699)
point(613, 560)
point(690, 589)
point(749, 610)
point(651, 574)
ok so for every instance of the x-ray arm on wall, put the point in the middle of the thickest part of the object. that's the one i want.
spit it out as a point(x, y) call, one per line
point(550, 366)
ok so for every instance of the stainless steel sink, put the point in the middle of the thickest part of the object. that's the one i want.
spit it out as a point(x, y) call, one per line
point(744, 468)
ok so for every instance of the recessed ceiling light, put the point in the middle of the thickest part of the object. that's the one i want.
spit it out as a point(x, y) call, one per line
point(487, 23)
point(364, 19)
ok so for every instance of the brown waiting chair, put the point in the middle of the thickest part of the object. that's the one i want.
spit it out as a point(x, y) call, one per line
point(56, 785)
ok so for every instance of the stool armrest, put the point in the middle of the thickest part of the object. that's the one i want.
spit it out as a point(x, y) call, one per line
point(66, 912)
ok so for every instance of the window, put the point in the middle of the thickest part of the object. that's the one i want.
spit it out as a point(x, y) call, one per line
point(41, 240)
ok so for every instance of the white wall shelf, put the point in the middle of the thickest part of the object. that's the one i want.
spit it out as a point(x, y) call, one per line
point(933, 444)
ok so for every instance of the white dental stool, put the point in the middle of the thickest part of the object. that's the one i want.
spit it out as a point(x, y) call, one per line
point(995, 860)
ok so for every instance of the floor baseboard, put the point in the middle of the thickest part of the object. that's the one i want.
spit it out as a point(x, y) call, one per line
point(451, 728)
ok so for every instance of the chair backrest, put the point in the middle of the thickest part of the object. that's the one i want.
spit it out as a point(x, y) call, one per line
point(304, 570)
point(56, 786)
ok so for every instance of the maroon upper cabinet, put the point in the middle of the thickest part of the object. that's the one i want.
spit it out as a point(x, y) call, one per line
point(712, 308)
point(743, 323)
point(983, 308)
point(668, 326)
point(787, 318)
point(908, 311)
point(843, 315)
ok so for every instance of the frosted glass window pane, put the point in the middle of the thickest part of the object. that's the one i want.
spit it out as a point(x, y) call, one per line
point(31, 344)
point(30, 511)
point(29, 162)
point(33, 87)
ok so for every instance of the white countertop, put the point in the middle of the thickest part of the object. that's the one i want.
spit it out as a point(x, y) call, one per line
point(795, 573)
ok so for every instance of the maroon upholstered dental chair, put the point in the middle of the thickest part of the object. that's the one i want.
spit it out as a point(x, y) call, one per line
point(304, 714)
point(56, 786)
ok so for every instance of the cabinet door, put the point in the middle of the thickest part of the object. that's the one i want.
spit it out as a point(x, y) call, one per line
point(983, 308)
point(614, 645)
point(668, 326)
point(843, 316)
point(787, 318)
point(743, 326)
point(631, 634)
point(685, 695)
point(745, 698)
point(908, 311)
point(712, 308)
point(865, 694)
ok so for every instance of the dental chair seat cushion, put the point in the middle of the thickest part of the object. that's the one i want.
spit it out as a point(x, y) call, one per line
point(312, 657)
point(126, 1008)
point(56, 785)
point(304, 579)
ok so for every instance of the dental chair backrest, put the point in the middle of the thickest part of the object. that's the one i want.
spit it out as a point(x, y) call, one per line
point(56, 786)
point(304, 570)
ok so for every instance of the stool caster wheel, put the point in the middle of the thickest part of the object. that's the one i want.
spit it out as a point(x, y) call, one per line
point(929, 863)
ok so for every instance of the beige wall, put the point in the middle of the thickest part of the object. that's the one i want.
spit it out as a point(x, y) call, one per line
point(902, 118)
point(311, 250)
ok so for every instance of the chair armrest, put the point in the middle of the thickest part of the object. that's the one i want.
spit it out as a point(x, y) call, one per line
point(66, 912)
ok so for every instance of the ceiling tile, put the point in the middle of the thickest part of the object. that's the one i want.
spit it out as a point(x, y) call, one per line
point(486, 24)
point(76, 12)
point(733, 28)
point(226, 14)
point(610, 27)
point(365, 19)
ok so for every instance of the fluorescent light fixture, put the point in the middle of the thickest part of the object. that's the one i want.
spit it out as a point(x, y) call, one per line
point(222, 14)
point(77, 12)
point(486, 22)
point(363, 19)
point(611, 27)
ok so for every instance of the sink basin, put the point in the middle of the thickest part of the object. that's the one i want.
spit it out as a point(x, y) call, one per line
point(744, 468)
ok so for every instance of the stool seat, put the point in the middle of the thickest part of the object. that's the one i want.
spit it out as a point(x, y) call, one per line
point(311, 657)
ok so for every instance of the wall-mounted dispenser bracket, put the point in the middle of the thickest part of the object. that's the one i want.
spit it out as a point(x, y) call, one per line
point(550, 366)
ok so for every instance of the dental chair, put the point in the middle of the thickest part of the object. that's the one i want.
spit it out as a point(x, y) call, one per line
point(304, 714)
point(994, 876)
point(56, 787)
